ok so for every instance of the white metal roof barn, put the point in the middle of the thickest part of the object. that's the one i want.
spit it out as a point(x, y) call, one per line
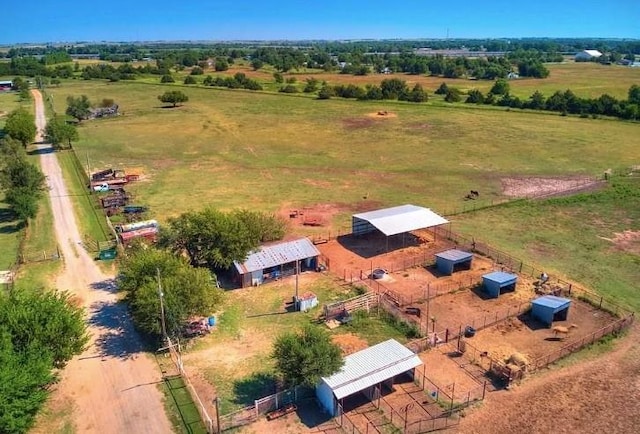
point(364, 370)
point(396, 220)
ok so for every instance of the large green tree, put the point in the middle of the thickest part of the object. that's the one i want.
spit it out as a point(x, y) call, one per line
point(217, 239)
point(174, 97)
point(79, 108)
point(21, 125)
point(301, 358)
point(186, 291)
point(23, 183)
point(500, 87)
point(39, 331)
point(60, 133)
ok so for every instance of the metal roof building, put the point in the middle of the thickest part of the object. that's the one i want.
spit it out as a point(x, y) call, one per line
point(364, 370)
point(497, 282)
point(396, 220)
point(274, 260)
point(550, 308)
point(450, 260)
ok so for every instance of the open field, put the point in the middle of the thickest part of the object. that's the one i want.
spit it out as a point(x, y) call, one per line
point(239, 149)
point(587, 79)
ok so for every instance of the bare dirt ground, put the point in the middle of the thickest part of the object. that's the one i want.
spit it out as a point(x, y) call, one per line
point(355, 256)
point(627, 241)
point(526, 336)
point(539, 186)
point(447, 374)
point(349, 343)
point(596, 396)
point(112, 386)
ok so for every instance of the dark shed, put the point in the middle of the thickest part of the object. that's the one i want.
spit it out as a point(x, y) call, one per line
point(499, 282)
point(449, 261)
point(550, 308)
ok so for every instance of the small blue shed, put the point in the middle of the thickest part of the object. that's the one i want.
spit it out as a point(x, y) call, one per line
point(499, 282)
point(449, 261)
point(550, 308)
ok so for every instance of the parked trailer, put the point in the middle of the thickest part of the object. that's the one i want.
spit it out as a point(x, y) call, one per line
point(103, 174)
point(114, 201)
point(150, 234)
point(137, 225)
point(134, 209)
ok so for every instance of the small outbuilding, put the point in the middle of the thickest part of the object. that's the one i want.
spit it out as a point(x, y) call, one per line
point(453, 260)
point(550, 308)
point(499, 282)
point(366, 371)
point(272, 261)
point(587, 55)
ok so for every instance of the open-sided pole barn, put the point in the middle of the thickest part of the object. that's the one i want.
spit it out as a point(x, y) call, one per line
point(272, 261)
point(395, 220)
point(365, 371)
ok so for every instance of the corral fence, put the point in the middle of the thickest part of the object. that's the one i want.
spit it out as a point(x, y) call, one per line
point(39, 256)
point(578, 344)
point(340, 308)
point(446, 396)
point(176, 358)
point(555, 285)
point(251, 413)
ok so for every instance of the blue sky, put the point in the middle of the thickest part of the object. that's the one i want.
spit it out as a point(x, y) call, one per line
point(135, 20)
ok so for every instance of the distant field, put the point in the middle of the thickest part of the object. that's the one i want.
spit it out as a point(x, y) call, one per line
point(240, 149)
point(584, 79)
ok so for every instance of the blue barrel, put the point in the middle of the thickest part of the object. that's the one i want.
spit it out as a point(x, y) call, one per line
point(212, 321)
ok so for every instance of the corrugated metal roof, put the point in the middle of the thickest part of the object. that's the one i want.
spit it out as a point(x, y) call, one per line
point(551, 301)
point(454, 255)
point(277, 254)
point(371, 366)
point(404, 218)
point(500, 277)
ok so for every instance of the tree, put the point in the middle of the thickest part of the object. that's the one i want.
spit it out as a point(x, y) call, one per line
point(221, 64)
point(21, 126)
point(197, 70)
point(453, 95)
point(39, 331)
point(58, 132)
point(326, 92)
point(536, 101)
point(187, 291)
point(500, 87)
point(634, 94)
point(189, 79)
point(475, 97)
point(442, 90)
point(257, 64)
point(167, 78)
point(24, 184)
point(211, 237)
point(302, 358)
point(417, 94)
point(278, 77)
point(79, 108)
point(312, 85)
point(174, 97)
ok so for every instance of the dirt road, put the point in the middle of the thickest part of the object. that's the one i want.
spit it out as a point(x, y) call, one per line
point(113, 384)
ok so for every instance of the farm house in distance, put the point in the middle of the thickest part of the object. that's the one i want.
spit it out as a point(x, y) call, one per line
point(366, 372)
point(275, 260)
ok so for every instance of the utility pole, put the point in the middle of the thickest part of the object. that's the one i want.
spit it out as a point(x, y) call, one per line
point(297, 282)
point(161, 295)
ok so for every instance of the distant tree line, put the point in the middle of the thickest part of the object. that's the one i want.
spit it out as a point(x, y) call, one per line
point(238, 81)
point(563, 102)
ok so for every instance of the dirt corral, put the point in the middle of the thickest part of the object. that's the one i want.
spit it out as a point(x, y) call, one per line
point(525, 335)
point(358, 255)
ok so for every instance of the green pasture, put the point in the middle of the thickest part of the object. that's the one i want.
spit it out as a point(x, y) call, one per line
point(572, 237)
point(240, 149)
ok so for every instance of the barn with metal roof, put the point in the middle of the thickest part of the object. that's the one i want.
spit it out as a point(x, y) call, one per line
point(366, 371)
point(453, 260)
point(397, 220)
point(550, 308)
point(272, 261)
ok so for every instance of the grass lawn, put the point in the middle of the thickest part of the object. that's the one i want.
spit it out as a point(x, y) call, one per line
point(240, 149)
point(235, 356)
point(10, 234)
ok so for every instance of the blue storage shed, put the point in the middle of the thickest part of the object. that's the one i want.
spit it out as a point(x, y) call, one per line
point(449, 261)
point(499, 282)
point(550, 308)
